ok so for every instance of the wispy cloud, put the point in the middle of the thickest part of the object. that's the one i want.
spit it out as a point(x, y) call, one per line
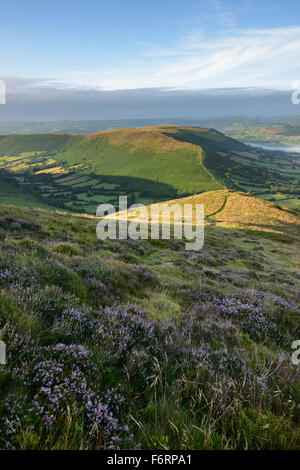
point(268, 57)
point(237, 58)
point(234, 58)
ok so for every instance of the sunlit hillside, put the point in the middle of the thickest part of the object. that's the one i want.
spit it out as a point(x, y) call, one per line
point(149, 164)
point(227, 209)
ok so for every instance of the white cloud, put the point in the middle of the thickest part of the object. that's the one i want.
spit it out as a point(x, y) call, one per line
point(268, 57)
point(237, 58)
point(242, 58)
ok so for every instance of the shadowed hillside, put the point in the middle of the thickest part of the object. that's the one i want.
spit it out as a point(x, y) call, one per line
point(150, 164)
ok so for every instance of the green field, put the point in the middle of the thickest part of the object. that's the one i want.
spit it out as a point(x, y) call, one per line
point(277, 134)
point(151, 164)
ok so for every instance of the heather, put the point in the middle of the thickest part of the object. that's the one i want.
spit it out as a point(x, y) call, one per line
point(140, 344)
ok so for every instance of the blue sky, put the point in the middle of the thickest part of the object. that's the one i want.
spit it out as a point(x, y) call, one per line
point(158, 43)
point(116, 59)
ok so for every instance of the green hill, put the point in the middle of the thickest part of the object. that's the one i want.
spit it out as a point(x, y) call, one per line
point(149, 164)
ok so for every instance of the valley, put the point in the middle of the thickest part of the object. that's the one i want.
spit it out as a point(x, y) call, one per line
point(142, 344)
point(150, 164)
point(149, 231)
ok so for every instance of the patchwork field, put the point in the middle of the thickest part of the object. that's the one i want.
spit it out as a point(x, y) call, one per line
point(79, 172)
point(280, 134)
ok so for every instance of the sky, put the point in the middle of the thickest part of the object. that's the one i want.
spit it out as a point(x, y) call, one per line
point(58, 57)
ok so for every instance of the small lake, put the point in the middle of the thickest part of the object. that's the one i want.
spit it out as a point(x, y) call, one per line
point(295, 149)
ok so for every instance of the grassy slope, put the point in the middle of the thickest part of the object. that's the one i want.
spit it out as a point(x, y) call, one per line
point(148, 164)
point(234, 209)
point(164, 154)
point(13, 195)
point(204, 381)
point(14, 145)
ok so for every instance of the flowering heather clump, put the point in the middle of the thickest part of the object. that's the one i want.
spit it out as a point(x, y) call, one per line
point(77, 324)
point(271, 300)
point(57, 380)
point(204, 342)
point(196, 325)
point(252, 315)
point(130, 337)
point(250, 318)
point(44, 303)
point(13, 273)
point(100, 293)
point(98, 279)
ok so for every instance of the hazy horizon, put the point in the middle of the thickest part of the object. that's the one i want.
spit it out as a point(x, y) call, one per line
point(52, 104)
point(133, 60)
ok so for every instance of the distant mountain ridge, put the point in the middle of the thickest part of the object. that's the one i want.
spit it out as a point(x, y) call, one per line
point(83, 127)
